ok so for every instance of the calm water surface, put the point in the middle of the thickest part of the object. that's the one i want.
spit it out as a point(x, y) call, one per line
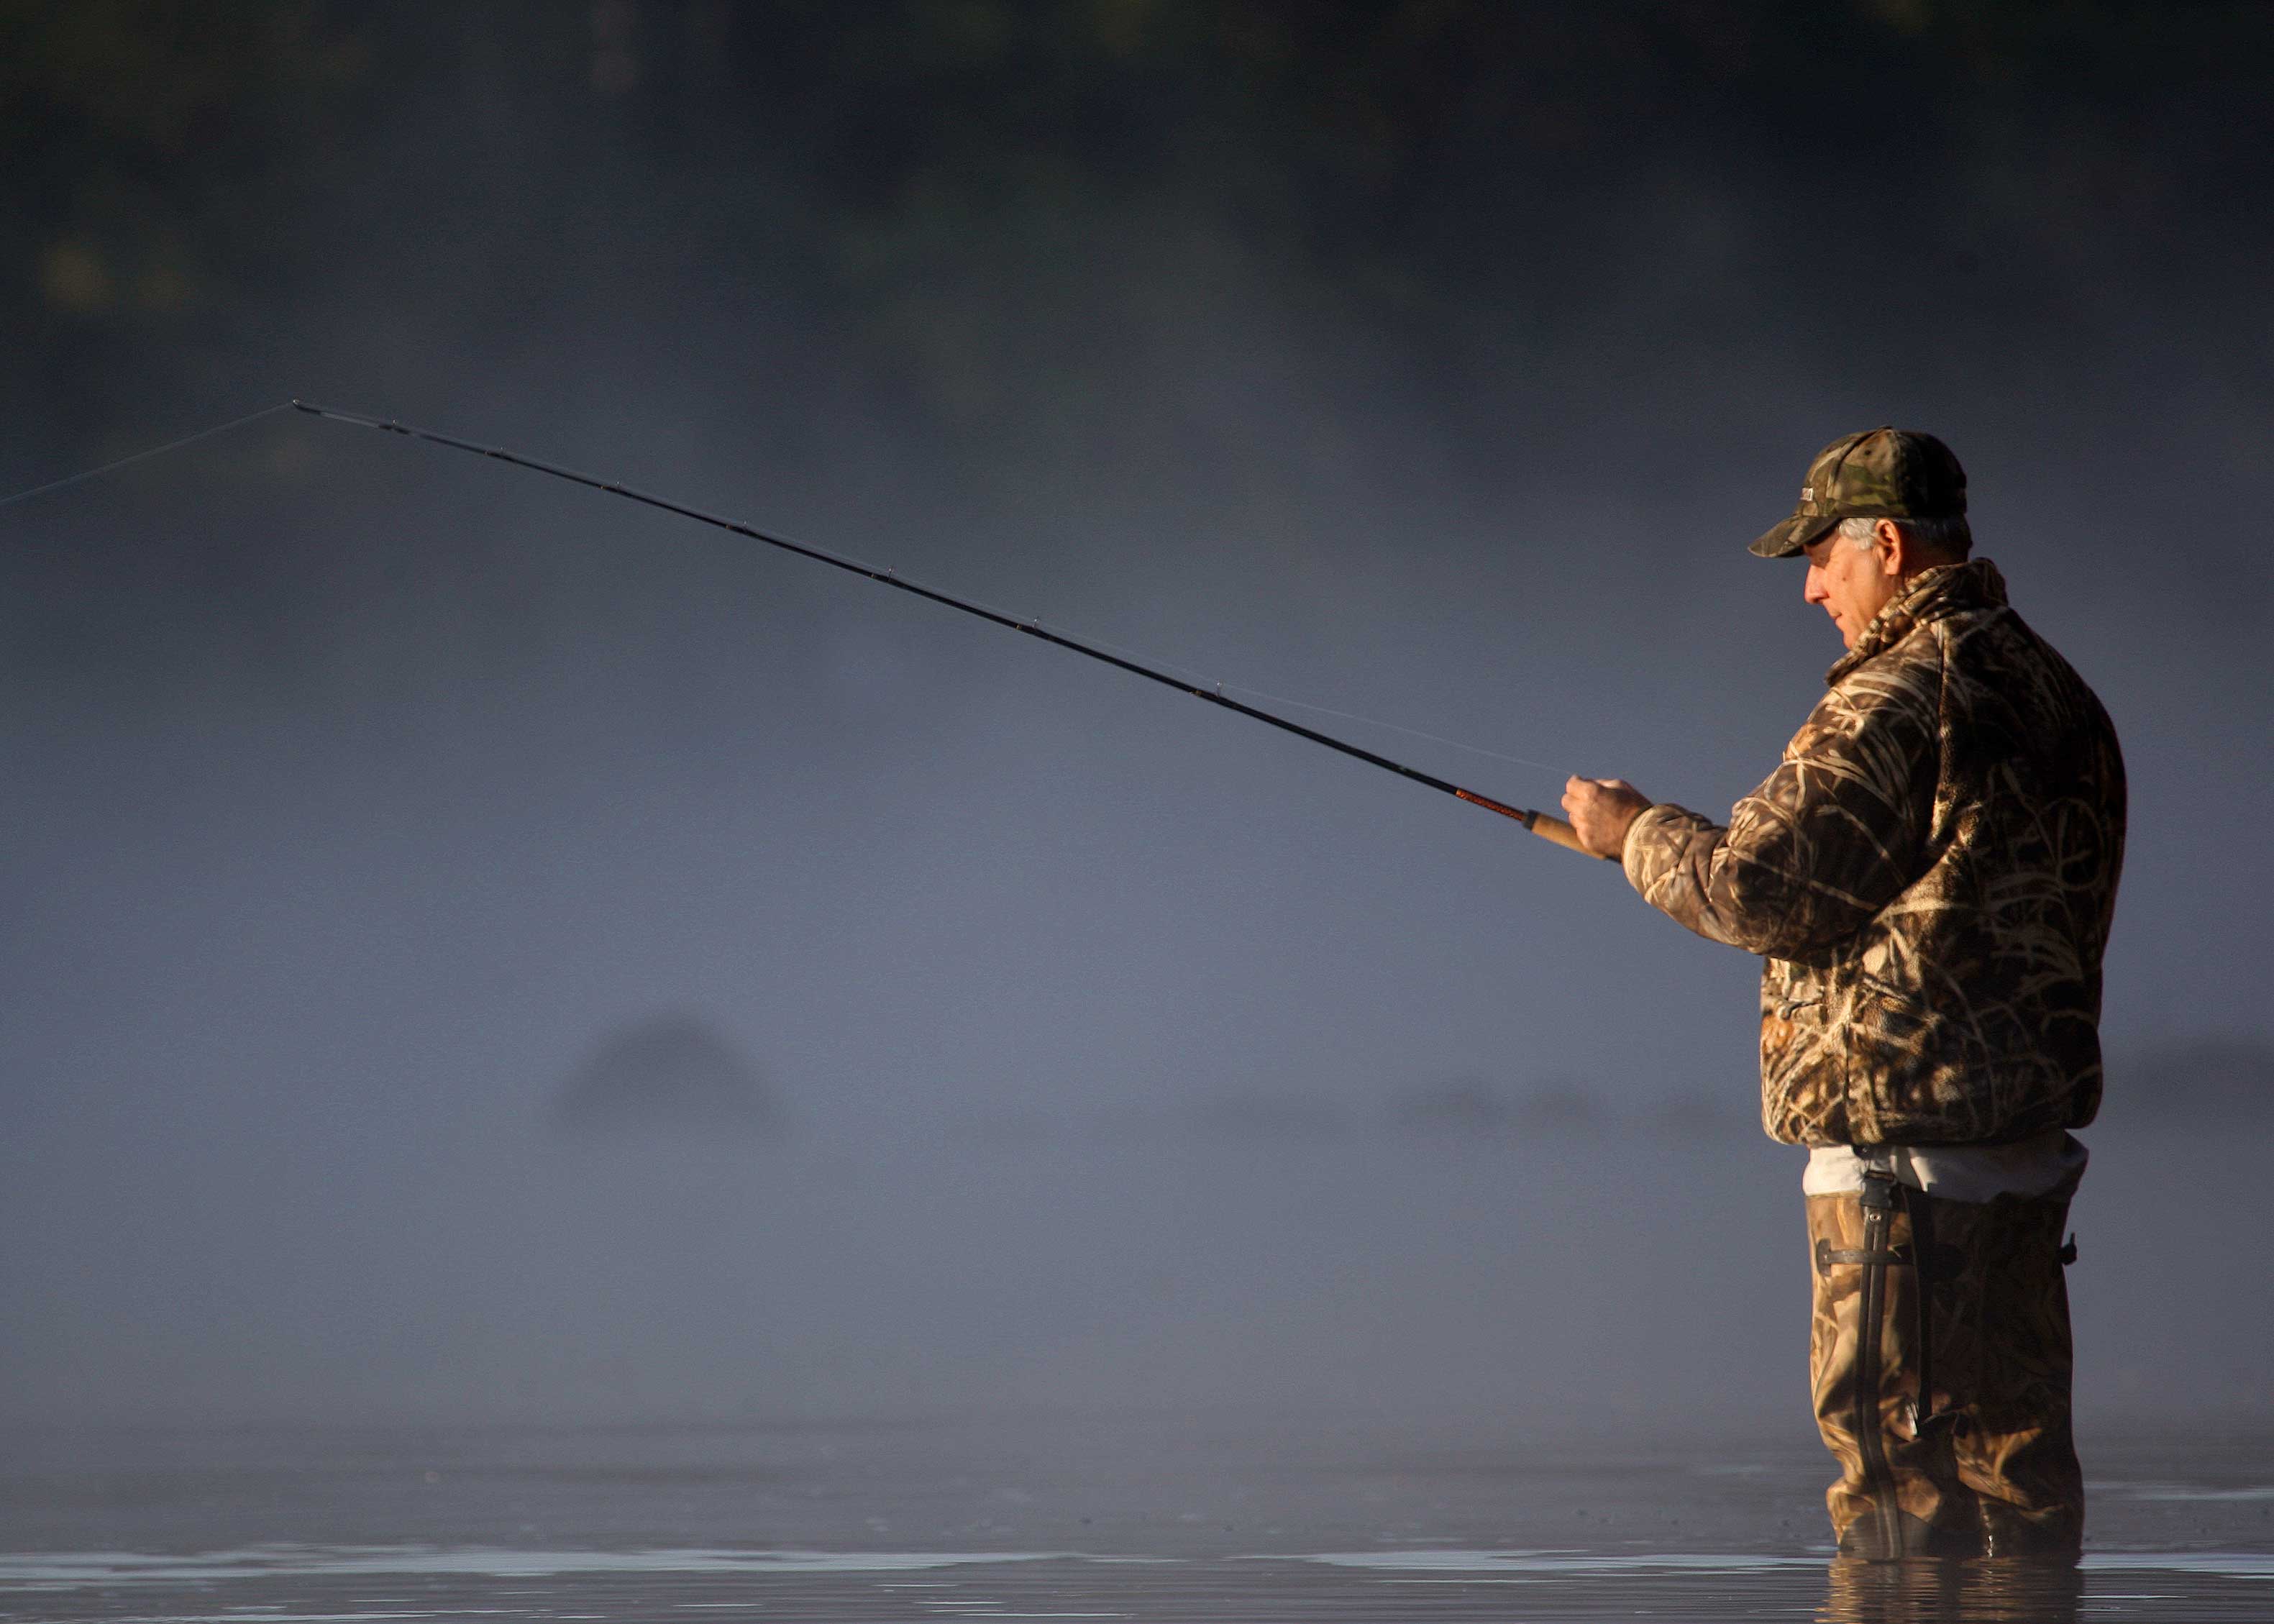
point(1122, 1518)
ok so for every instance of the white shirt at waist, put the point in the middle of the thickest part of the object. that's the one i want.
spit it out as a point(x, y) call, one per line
point(1954, 1172)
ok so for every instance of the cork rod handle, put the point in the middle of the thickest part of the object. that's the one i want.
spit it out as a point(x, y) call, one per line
point(1560, 832)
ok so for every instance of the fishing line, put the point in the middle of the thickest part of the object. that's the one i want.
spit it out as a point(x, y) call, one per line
point(1541, 824)
point(171, 445)
point(1396, 727)
point(1187, 671)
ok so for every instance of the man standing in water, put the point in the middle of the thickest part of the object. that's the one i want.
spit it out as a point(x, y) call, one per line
point(1928, 876)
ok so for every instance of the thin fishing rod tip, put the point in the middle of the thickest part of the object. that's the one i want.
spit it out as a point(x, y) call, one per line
point(1000, 617)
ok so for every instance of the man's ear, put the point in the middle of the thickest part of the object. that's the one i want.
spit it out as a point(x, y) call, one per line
point(1893, 548)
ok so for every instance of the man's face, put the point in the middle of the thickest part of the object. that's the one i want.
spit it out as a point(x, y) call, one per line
point(1852, 582)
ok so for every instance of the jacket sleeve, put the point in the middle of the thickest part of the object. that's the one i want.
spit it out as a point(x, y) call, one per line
point(1828, 839)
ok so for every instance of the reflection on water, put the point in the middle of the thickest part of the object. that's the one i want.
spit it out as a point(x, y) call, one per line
point(1931, 1589)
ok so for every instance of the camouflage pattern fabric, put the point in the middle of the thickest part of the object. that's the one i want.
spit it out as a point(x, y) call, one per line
point(1994, 1468)
point(1929, 875)
point(1884, 473)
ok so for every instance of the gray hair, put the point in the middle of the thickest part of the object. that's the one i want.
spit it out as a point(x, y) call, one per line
point(1951, 535)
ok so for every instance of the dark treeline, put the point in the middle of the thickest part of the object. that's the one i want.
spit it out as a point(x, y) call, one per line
point(929, 179)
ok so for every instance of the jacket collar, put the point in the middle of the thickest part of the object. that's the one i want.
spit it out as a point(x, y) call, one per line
point(1932, 595)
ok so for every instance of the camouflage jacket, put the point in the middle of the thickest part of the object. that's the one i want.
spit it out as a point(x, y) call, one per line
point(1929, 877)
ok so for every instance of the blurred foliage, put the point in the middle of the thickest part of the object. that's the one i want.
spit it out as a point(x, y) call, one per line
point(896, 162)
point(143, 135)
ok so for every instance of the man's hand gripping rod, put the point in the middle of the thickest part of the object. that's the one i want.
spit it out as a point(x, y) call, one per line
point(1541, 824)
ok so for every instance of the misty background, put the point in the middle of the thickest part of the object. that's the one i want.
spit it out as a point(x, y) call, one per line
point(476, 947)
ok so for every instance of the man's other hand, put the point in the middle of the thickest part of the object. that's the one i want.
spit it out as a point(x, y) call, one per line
point(1600, 810)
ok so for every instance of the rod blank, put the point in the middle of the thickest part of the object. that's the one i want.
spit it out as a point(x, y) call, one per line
point(1541, 824)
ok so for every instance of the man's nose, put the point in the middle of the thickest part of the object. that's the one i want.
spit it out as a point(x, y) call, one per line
point(1811, 589)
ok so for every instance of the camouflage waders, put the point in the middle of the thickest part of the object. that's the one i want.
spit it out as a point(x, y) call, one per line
point(1951, 1427)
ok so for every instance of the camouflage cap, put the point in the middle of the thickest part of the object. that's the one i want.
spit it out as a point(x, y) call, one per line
point(1882, 473)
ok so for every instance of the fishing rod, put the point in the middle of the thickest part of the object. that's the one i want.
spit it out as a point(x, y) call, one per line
point(1541, 824)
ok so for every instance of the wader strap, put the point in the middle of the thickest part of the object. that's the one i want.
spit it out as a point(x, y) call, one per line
point(1878, 1204)
point(1921, 1207)
point(1921, 1257)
